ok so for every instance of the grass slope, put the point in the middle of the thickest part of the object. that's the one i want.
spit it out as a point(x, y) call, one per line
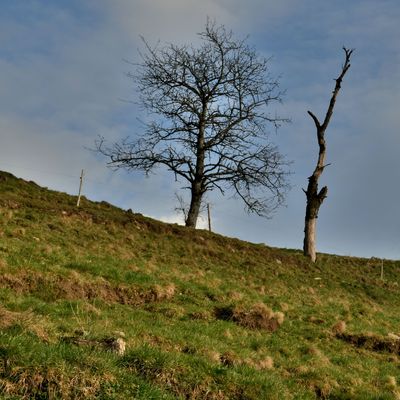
point(204, 316)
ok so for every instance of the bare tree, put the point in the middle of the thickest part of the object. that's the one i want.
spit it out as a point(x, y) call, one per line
point(182, 207)
point(315, 197)
point(208, 106)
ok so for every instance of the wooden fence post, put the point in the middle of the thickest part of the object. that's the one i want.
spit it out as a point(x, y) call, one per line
point(80, 189)
point(209, 216)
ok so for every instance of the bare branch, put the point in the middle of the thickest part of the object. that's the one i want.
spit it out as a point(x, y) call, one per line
point(316, 122)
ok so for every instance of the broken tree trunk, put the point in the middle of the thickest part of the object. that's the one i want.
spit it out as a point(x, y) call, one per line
point(315, 197)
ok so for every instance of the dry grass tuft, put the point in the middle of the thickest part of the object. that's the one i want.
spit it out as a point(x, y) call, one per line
point(228, 334)
point(213, 356)
point(314, 351)
point(27, 320)
point(324, 389)
point(3, 263)
point(236, 296)
point(264, 364)
point(279, 316)
point(259, 316)
point(339, 327)
point(200, 315)
point(50, 383)
point(19, 232)
point(320, 357)
point(301, 370)
point(90, 309)
point(393, 359)
point(261, 290)
point(284, 307)
point(174, 311)
point(316, 320)
point(393, 336)
point(229, 359)
point(391, 382)
point(164, 292)
point(7, 318)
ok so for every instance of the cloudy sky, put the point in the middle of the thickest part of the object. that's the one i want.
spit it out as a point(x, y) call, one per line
point(63, 82)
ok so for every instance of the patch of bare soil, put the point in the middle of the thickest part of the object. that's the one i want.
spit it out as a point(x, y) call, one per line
point(74, 287)
point(372, 342)
point(259, 316)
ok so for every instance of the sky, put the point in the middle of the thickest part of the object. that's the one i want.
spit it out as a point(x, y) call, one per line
point(63, 83)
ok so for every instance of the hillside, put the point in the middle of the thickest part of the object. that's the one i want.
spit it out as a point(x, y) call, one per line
point(202, 316)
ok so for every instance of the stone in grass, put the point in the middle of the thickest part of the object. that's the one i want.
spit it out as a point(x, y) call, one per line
point(116, 345)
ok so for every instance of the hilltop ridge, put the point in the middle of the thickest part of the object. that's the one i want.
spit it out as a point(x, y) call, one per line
point(203, 316)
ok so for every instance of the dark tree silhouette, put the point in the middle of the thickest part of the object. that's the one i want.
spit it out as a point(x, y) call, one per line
point(315, 197)
point(209, 117)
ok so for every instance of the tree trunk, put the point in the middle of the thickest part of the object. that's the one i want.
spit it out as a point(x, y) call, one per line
point(195, 204)
point(197, 190)
point(314, 201)
point(309, 239)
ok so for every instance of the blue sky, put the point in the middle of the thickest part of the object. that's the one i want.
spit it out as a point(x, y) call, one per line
point(62, 83)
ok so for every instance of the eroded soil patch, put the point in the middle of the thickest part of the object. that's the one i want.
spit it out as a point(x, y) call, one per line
point(259, 316)
point(75, 287)
point(372, 342)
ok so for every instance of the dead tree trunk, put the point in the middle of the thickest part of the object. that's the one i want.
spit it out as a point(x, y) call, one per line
point(315, 197)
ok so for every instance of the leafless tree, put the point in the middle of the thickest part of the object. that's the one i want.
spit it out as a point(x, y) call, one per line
point(182, 207)
point(315, 197)
point(208, 108)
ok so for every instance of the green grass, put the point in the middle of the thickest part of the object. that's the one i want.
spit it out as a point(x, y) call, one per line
point(174, 293)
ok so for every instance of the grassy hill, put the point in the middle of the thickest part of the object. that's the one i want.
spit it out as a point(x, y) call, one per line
point(203, 316)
